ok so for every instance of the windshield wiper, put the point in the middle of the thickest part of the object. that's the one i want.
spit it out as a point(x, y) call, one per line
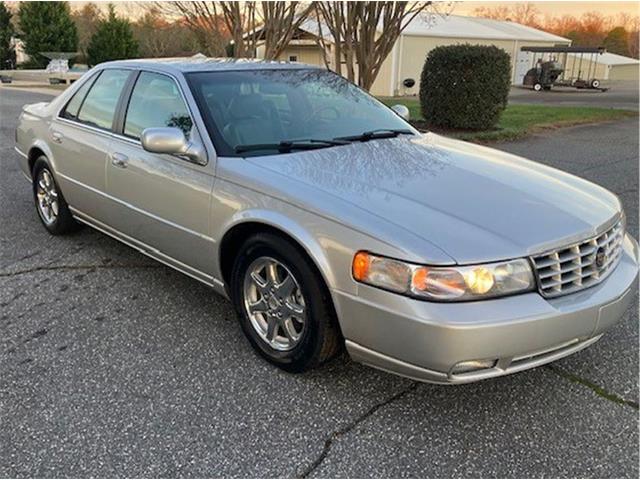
point(289, 145)
point(374, 134)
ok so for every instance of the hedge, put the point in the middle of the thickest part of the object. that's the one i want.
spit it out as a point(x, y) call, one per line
point(465, 86)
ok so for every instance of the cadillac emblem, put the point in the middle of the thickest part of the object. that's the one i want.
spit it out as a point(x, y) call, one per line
point(601, 257)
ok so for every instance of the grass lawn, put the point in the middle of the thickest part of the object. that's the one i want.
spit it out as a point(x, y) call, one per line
point(520, 120)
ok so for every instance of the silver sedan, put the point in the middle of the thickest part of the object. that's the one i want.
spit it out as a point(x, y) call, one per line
point(329, 221)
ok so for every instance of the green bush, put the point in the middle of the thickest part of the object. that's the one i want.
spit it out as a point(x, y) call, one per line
point(465, 86)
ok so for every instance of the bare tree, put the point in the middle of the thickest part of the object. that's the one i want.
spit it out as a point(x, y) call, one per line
point(244, 24)
point(158, 37)
point(86, 20)
point(501, 12)
point(280, 22)
point(524, 13)
point(241, 21)
point(364, 33)
point(337, 17)
point(203, 20)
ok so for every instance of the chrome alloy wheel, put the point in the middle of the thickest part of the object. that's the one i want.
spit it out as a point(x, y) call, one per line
point(48, 204)
point(274, 303)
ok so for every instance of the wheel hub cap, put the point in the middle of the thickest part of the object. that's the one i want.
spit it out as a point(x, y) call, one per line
point(47, 196)
point(274, 303)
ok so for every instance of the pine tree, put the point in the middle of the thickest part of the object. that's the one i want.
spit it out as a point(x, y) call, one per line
point(616, 41)
point(113, 40)
point(7, 55)
point(46, 27)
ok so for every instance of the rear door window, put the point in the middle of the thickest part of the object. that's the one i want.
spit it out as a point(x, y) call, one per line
point(156, 101)
point(99, 107)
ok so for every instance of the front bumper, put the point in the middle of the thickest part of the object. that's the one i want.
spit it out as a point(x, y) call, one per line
point(425, 341)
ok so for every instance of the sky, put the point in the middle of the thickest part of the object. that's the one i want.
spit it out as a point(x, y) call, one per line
point(575, 8)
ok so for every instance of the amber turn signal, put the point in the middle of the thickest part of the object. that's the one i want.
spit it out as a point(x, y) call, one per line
point(360, 267)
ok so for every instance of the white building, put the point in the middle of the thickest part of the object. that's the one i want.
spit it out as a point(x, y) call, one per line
point(421, 36)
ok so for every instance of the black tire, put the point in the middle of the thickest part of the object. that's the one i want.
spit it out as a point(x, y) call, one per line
point(320, 339)
point(63, 222)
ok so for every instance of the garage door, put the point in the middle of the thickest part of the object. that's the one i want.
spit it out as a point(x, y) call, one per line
point(523, 64)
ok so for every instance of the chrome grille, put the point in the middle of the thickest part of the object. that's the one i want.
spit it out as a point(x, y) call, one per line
point(580, 265)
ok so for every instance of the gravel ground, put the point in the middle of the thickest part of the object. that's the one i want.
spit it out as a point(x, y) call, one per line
point(114, 365)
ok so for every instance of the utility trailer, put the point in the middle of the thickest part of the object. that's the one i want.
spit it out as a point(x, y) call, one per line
point(564, 67)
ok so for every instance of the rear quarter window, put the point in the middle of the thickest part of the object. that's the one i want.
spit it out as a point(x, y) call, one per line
point(70, 112)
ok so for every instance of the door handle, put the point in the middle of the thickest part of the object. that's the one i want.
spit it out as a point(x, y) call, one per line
point(119, 160)
point(57, 137)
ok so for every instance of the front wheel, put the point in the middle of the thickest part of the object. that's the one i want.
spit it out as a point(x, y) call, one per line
point(537, 87)
point(50, 203)
point(283, 306)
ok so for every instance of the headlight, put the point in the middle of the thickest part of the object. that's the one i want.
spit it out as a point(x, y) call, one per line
point(455, 283)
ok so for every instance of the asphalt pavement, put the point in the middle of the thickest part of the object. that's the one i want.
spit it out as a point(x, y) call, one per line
point(113, 365)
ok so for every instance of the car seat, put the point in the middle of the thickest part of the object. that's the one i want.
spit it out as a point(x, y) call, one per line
point(252, 120)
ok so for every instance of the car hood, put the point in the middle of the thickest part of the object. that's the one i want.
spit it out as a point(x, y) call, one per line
point(474, 203)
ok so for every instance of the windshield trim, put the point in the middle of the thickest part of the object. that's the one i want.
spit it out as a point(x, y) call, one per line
point(218, 140)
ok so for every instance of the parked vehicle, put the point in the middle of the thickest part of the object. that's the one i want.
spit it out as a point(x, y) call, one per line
point(543, 75)
point(328, 220)
point(562, 66)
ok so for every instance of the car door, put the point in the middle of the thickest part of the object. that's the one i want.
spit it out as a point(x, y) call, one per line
point(80, 141)
point(161, 200)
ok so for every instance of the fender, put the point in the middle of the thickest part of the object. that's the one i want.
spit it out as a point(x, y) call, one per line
point(288, 226)
point(42, 145)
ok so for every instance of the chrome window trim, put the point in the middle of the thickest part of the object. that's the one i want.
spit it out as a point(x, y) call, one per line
point(72, 93)
point(118, 102)
point(128, 102)
point(197, 119)
point(96, 71)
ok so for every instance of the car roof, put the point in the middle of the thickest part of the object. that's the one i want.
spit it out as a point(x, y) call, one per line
point(200, 63)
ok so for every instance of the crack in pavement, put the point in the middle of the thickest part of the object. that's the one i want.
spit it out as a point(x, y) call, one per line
point(597, 389)
point(76, 267)
point(350, 426)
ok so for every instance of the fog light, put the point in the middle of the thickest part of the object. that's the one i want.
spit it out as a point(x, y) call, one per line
point(472, 366)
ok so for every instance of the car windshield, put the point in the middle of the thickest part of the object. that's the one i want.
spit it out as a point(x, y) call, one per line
point(257, 112)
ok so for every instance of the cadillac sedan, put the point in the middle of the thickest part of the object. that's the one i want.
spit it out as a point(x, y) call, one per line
point(329, 221)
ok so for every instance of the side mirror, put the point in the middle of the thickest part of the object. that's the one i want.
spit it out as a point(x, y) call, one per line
point(402, 111)
point(170, 140)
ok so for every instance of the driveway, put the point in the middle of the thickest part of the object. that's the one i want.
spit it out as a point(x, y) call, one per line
point(114, 365)
point(623, 94)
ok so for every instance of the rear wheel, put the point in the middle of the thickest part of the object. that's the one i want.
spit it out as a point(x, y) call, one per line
point(595, 83)
point(537, 87)
point(284, 307)
point(50, 203)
